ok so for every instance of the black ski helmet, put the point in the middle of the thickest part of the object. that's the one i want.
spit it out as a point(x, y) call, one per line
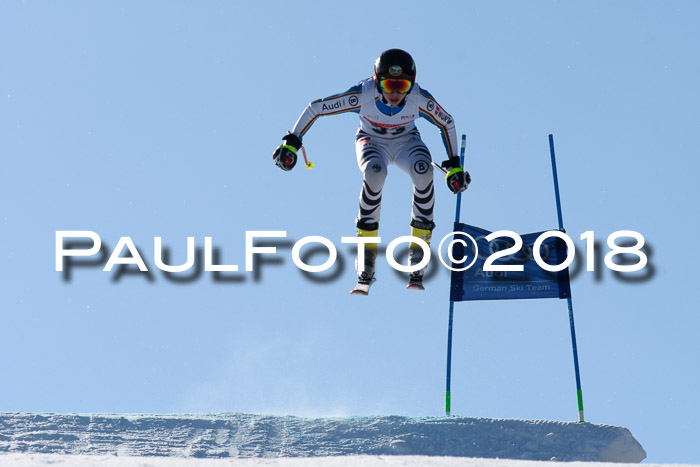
point(396, 64)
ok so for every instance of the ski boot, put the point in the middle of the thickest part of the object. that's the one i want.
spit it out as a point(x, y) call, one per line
point(423, 231)
point(365, 278)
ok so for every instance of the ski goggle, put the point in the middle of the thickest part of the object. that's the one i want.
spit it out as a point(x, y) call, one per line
point(391, 85)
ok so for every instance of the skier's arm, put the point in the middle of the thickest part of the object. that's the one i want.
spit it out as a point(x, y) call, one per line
point(348, 101)
point(435, 114)
point(457, 179)
point(285, 156)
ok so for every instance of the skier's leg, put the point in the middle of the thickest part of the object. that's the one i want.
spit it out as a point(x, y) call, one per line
point(372, 160)
point(414, 159)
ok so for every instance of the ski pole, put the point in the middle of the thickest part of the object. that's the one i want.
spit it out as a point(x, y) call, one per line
point(438, 167)
point(309, 165)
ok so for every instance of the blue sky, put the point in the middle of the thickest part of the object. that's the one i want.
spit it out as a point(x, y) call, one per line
point(159, 119)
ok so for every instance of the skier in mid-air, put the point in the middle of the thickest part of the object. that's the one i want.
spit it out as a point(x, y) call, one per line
point(388, 103)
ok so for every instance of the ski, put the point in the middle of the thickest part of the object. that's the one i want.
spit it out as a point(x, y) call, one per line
point(362, 287)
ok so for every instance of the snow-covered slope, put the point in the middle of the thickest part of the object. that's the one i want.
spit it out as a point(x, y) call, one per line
point(246, 436)
point(75, 460)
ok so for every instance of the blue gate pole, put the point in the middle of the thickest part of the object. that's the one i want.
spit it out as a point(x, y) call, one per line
point(448, 394)
point(579, 393)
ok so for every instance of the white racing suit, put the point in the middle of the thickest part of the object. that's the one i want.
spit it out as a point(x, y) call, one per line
point(388, 136)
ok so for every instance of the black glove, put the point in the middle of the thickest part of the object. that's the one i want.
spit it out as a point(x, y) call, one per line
point(285, 156)
point(457, 179)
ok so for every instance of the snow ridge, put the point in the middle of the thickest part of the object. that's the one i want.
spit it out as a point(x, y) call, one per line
point(253, 436)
